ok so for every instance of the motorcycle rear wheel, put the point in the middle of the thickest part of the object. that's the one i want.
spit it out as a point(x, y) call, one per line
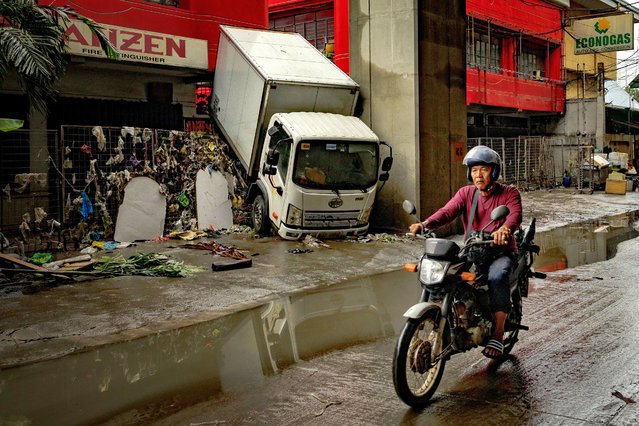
point(414, 375)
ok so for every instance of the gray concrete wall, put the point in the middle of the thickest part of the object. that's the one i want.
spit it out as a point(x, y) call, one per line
point(409, 58)
point(123, 82)
point(103, 80)
point(580, 118)
point(383, 40)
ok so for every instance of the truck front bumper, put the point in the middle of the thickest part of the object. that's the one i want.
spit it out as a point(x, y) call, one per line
point(297, 233)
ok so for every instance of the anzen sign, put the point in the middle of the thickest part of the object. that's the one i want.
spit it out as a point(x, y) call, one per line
point(140, 46)
point(605, 34)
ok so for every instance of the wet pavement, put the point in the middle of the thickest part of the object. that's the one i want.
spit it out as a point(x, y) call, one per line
point(137, 338)
point(577, 365)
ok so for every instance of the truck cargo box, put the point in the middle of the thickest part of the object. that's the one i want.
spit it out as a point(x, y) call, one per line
point(260, 73)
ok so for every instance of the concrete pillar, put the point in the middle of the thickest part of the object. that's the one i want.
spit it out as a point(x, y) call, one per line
point(442, 101)
point(383, 40)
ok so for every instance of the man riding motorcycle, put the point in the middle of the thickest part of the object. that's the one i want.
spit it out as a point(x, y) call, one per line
point(483, 168)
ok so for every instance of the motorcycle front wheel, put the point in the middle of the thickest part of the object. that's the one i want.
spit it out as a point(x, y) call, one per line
point(418, 364)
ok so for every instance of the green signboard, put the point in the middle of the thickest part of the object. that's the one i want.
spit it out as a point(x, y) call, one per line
point(604, 34)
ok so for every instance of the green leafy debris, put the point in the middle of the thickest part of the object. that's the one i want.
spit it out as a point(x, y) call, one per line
point(147, 264)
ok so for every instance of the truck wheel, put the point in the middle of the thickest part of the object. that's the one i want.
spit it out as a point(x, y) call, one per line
point(260, 221)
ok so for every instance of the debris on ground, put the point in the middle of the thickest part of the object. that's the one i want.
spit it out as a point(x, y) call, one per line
point(314, 242)
point(146, 264)
point(55, 265)
point(218, 249)
point(188, 235)
point(300, 250)
point(326, 405)
point(382, 238)
point(226, 264)
point(623, 398)
point(40, 258)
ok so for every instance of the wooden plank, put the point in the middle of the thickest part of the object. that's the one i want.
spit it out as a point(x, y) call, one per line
point(76, 266)
point(21, 262)
point(226, 264)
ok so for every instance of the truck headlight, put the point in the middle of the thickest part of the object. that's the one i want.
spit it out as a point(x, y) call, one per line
point(294, 216)
point(366, 214)
point(432, 271)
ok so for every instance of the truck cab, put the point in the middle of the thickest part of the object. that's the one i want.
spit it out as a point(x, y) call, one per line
point(318, 176)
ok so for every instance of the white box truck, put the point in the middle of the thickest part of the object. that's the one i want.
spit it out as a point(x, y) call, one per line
point(287, 112)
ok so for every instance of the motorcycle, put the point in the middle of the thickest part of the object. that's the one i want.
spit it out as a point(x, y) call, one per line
point(453, 314)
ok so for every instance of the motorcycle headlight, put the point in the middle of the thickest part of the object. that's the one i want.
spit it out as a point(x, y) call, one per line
point(432, 271)
point(293, 216)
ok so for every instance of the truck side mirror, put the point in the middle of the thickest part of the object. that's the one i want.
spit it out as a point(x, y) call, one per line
point(272, 158)
point(269, 169)
point(272, 131)
point(386, 165)
point(383, 177)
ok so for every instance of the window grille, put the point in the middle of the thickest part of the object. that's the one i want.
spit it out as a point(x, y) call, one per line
point(483, 51)
point(316, 27)
point(530, 63)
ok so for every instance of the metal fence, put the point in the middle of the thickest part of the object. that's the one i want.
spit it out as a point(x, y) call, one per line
point(99, 161)
point(43, 177)
point(532, 162)
point(30, 201)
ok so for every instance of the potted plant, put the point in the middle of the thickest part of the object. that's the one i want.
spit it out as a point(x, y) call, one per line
point(567, 179)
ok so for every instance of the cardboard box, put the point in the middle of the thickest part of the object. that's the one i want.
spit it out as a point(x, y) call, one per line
point(615, 186)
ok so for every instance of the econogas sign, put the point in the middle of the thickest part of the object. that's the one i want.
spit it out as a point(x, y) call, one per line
point(606, 34)
point(140, 46)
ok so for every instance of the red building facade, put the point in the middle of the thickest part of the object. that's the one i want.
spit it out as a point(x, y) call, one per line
point(514, 59)
point(192, 19)
point(322, 22)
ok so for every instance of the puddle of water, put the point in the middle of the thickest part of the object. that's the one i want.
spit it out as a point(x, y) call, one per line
point(154, 376)
point(583, 243)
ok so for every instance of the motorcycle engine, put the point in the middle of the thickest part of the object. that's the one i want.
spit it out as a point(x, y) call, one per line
point(478, 334)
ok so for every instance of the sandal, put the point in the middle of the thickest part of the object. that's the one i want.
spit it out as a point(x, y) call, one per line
point(495, 345)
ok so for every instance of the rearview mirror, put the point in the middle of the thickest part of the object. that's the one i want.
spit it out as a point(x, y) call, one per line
point(272, 158)
point(499, 213)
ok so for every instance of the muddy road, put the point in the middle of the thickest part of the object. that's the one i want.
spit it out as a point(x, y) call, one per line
point(269, 349)
point(578, 364)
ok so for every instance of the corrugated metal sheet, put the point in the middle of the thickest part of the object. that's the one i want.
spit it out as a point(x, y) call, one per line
point(618, 97)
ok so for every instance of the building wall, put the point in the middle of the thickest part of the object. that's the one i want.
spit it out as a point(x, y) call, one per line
point(503, 83)
point(408, 57)
point(107, 80)
point(442, 101)
point(530, 16)
point(383, 40)
point(193, 18)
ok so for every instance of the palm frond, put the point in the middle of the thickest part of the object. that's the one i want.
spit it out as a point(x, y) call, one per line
point(33, 43)
point(65, 14)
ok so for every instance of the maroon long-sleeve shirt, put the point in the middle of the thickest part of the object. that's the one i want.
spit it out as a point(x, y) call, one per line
point(462, 201)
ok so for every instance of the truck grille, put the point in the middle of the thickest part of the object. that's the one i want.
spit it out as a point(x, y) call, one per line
point(347, 219)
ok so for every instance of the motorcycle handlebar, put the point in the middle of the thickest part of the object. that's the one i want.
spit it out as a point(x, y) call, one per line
point(426, 234)
point(416, 236)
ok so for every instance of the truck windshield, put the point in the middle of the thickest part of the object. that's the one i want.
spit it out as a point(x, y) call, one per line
point(336, 165)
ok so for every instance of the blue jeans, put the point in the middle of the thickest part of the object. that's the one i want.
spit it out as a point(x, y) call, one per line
point(498, 282)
